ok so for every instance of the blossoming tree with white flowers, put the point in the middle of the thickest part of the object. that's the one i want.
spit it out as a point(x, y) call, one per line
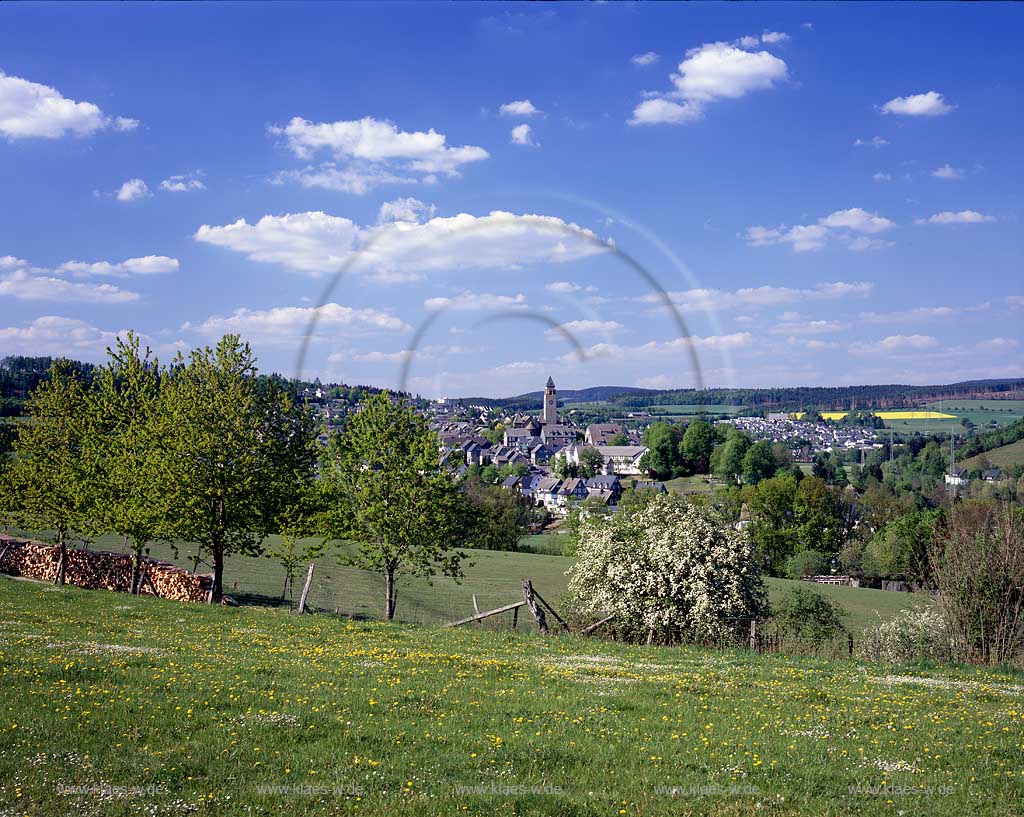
point(671, 569)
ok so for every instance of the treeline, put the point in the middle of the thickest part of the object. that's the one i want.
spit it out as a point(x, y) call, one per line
point(20, 375)
point(207, 451)
point(992, 439)
point(838, 397)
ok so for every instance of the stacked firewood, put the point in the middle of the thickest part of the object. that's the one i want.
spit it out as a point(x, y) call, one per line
point(99, 570)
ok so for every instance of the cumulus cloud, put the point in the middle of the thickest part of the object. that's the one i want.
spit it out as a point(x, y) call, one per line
point(693, 300)
point(921, 313)
point(519, 107)
point(29, 110)
point(286, 323)
point(809, 237)
point(948, 172)
point(582, 327)
point(772, 37)
point(476, 302)
point(183, 183)
point(950, 217)
point(895, 344)
point(373, 152)
point(859, 220)
point(316, 243)
point(59, 337)
point(809, 327)
point(927, 104)
point(711, 72)
point(647, 58)
point(882, 177)
point(146, 265)
point(24, 286)
point(133, 190)
point(665, 349)
point(522, 135)
point(405, 209)
point(568, 287)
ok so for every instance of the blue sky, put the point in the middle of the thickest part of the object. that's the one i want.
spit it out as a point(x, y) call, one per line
point(828, 194)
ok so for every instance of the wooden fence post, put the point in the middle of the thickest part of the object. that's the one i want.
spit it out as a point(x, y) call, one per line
point(753, 635)
point(531, 602)
point(305, 588)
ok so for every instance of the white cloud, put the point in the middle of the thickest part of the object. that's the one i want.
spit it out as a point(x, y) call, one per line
point(519, 107)
point(949, 217)
point(882, 177)
point(920, 313)
point(146, 265)
point(58, 336)
point(693, 300)
point(802, 237)
point(809, 237)
point(183, 183)
point(375, 152)
point(405, 209)
point(1015, 300)
point(588, 326)
point(818, 327)
point(859, 220)
point(874, 141)
point(22, 285)
point(30, 110)
point(10, 262)
point(865, 244)
point(476, 301)
point(948, 172)
point(568, 287)
point(710, 72)
point(522, 135)
point(895, 344)
point(133, 190)
point(287, 323)
point(771, 37)
point(316, 243)
point(664, 349)
point(928, 104)
point(647, 58)
point(664, 111)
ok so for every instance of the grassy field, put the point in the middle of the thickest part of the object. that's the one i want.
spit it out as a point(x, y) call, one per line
point(1002, 457)
point(493, 576)
point(115, 705)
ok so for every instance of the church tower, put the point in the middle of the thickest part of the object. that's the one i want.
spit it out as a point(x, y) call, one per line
point(550, 416)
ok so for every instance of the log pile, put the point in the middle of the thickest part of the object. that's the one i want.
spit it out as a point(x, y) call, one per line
point(100, 570)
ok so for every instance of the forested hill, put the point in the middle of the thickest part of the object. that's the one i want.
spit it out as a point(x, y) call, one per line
point(19, 376)
point(534, 399)
point(889, 396)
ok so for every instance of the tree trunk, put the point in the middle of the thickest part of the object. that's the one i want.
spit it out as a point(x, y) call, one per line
point(389, 607)
point(136, 571)
point(218, 573)
point(284, 590)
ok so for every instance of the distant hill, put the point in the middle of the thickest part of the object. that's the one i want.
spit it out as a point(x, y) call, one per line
point(882, 396)
point(1002, 457)
point(534, 399)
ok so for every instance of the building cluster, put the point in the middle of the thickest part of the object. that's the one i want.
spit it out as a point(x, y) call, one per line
point(534, 443)
point(806, 439)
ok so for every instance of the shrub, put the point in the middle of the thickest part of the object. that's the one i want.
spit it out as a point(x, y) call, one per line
point(807, 563)
point(669, 569)
point(977, 562)
point(810, 616)
point(916, 634)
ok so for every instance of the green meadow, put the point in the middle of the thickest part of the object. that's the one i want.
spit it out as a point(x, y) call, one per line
point(117, 705)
